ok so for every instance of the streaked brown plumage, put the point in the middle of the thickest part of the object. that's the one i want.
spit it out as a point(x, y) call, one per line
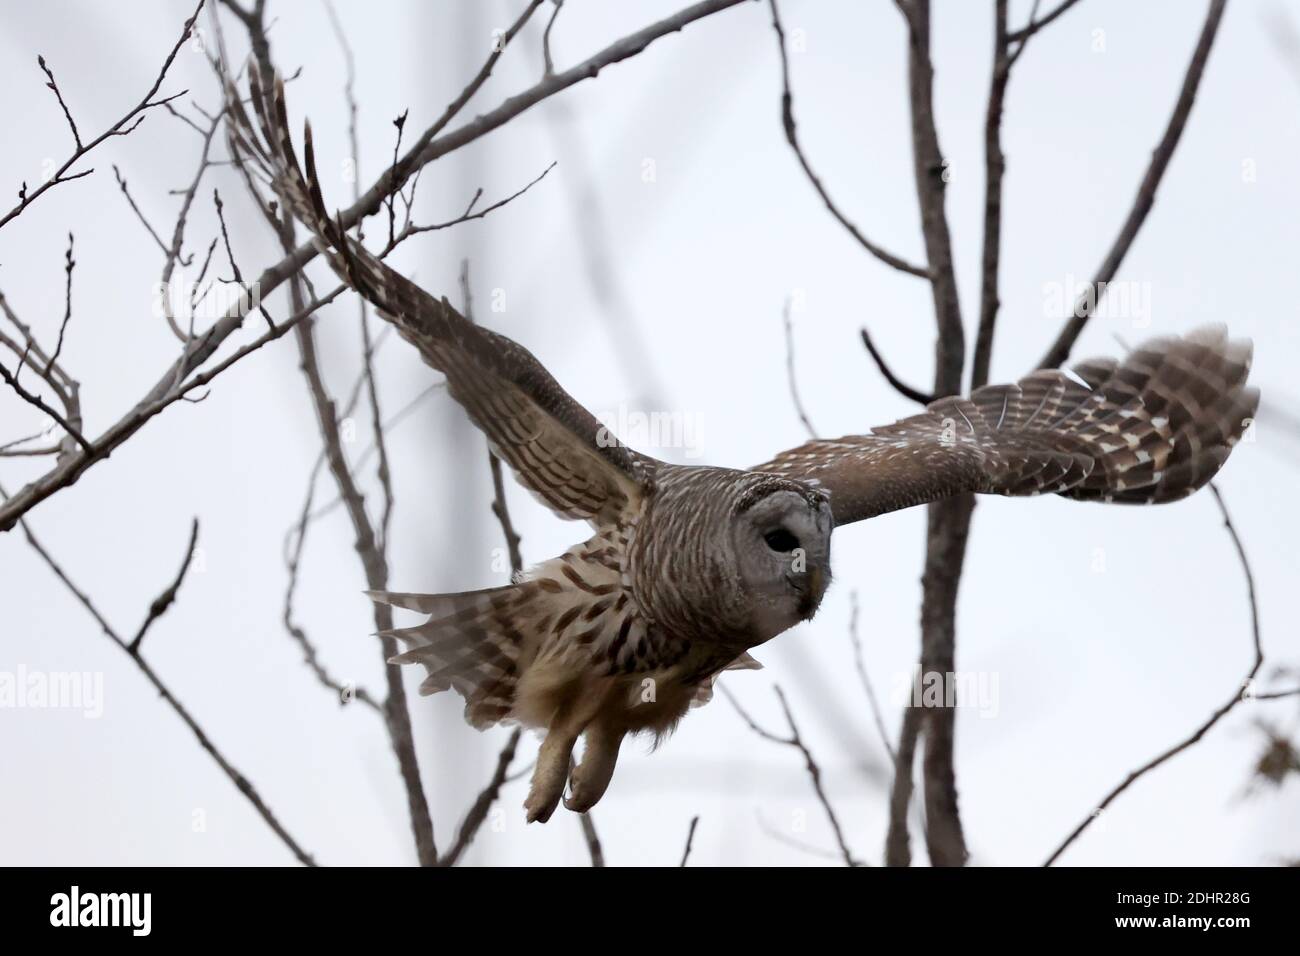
point(689, 567)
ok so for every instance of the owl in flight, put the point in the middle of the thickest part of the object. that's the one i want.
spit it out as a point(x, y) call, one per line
point(689, 567)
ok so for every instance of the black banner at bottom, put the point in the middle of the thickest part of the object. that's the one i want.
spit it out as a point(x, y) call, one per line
point(338, 906)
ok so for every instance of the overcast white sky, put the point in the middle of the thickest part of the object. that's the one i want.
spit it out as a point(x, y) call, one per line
point(1110, 632)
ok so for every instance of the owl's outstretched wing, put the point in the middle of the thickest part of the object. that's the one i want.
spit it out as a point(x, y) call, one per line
point(556, 448)
point(1151, 429)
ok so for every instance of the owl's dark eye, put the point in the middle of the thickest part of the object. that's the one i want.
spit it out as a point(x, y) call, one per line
point(781, 540)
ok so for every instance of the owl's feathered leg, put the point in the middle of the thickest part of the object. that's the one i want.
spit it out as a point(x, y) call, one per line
point(590, 778)
point(554, 756)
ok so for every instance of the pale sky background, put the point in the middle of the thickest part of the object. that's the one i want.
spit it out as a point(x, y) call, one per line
point(1110, 632)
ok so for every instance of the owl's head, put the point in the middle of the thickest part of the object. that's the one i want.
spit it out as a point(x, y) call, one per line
point(782, 539)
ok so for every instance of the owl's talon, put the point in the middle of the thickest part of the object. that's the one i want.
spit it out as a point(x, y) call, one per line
point(543, 798)
point(549, 776)
point(589, 780)
point(577, 801)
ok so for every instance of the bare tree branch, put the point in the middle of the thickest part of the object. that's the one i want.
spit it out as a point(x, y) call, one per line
point(470, 214)
point(1240, 694)
point(948, 521)
point(1033, 26)
point(234, 266)
point(383, 471)
point(1146, 194)
point(503, 515)
point(52, 84)
point(502, 512)
point(36, 402)
point(293, 561)
point(369, 548)
point(1278, 695)
point(242, 783)
point(791, 136)
point(120, 128)
point(11, 449)
point(690, 840)
point(810, 764)
point(478, 812)
point(172, 253)
point(898, 851)
point(789, 371)
point(69, 265)
point(994, 169)
point(65, 388)
point(130, 201)
point(163, 601)
point(594, 848)
point(375, 565)
point(907, 391)
point(429, 147)
point(1004, 57)
point(548, 63)
point(861, 667)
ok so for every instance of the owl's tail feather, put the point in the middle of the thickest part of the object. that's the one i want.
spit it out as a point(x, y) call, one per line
point(471, 644)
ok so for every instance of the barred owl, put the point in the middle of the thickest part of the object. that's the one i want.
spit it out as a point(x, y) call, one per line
point(688, 568)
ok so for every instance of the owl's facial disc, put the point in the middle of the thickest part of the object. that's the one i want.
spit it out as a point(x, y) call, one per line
point(783, 551)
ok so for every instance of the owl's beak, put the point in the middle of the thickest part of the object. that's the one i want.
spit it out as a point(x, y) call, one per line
point(817, 581)
point(811, 585)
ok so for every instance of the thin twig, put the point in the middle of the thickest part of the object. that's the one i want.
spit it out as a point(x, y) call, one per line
point(69, 264)
point(594, 848)
point(11, 448)
point(502, 512)
point(428, 147)
point(549, 64)
point(389, 423)
point(368, 546)
point(791, 136)
point(503, 515)
point(1277, 695)
point(771, 830)
point(469, 827)
point(67, 113)
point(907, 391)
point(690, 839)
point(499, 507)
point(165, 600)
point(173, 253)
point(242, 783)
point(400, 123)
point(995, 166)
point(120, 128)
point(293, 561)
point(1240, 694)
point(135, 208)
point(898, 851)
point(810, 764)
point(861, 667)
point(234, 266)
point(1004, 57)
point(1033, 26)
point(1146, 194)
point(37, 402)
point(455, 106)
point(380, 443)
point(65, 388)
point(789, 371)
point(413, 230)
